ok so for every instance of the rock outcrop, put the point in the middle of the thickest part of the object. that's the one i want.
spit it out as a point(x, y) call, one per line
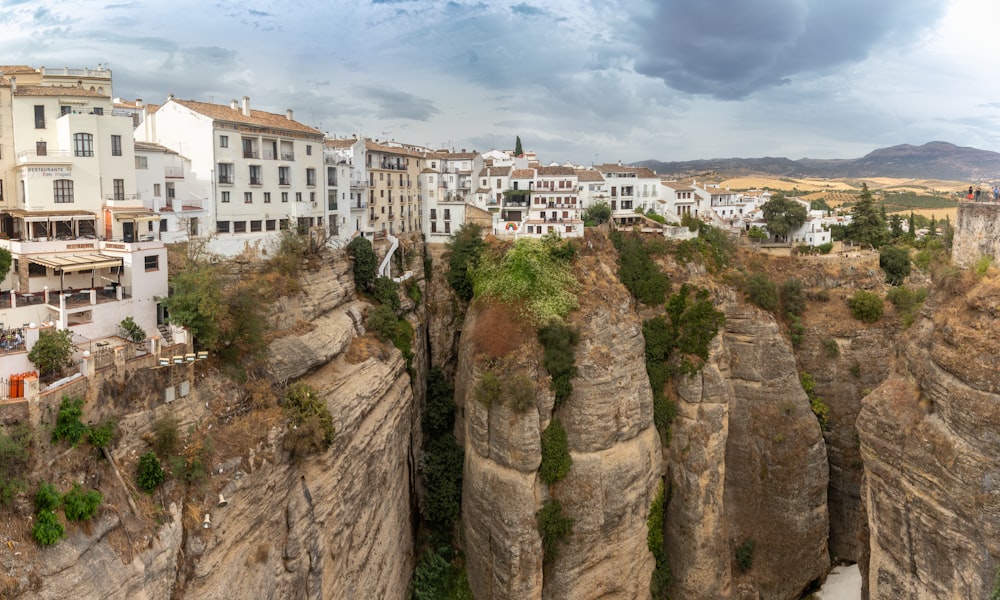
point(616, 462)
point(748, 471)
point(932, 455)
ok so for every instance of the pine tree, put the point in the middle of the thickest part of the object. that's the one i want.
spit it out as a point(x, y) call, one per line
point(867, 224)
point(518, 150)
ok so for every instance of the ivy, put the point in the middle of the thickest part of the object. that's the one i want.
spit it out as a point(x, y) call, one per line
point(556, 460)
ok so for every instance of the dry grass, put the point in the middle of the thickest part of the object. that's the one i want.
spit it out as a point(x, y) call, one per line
point(364, 347)
point(499, 331)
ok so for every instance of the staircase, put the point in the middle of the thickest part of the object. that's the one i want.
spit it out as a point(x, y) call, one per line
point(165, 334)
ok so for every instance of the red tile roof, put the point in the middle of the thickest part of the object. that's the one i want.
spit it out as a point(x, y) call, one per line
point(257, 118)
point(555, 171)
point(523, 174)
point(589, 175)
point(57, 90)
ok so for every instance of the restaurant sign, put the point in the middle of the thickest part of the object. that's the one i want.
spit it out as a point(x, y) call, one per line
point(52, 172)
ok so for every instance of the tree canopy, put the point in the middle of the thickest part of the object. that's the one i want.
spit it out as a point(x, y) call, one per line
point(52, 350)
point(867, 222)
point(518, 150)
point(783, 215)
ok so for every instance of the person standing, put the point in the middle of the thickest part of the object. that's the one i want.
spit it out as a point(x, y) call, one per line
point(979, 194)
point(996, 193)
point(970, 193)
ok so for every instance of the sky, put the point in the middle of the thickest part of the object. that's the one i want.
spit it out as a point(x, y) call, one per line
point(579, 81)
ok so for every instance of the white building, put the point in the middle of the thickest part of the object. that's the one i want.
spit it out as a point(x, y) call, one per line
point(259, 172)
point(164, 184)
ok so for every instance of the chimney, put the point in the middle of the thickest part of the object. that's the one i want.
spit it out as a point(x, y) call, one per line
point(138, 102)
point(234, 104)
point(246, 106)
point(170, 97)
point(13, 84)
point(288, 114)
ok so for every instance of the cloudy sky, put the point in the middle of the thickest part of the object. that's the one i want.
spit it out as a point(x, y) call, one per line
point(578, 80)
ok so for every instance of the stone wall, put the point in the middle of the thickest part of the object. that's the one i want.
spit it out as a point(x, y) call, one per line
point(977, 233)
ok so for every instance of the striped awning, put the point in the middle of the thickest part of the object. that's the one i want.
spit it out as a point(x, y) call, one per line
point(68, 263)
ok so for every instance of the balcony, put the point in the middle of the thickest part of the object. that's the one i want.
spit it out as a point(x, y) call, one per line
point(256, 181)
point(359, 204)
point(227, 179)
point(174, 172)
point(250, 154)
point(287, 156)
point(121, 197)
point(27, 157)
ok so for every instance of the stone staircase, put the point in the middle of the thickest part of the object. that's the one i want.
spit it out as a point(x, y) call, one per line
point(165, 334)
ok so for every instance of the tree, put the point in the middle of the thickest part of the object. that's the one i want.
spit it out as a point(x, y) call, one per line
point(819, 204)
point(896, 226)
point(196, 302)
point(783, 215)
point(867, 223)
point(466, 246)
point(150, 473)
point(518, 150)
point(911, 225)
point(597, 214)
point(365, 262)
point(52, 350)
point(757, 234)
point(895, 261)
point(5, 261)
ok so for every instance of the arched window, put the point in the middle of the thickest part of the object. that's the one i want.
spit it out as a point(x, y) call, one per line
point(62, 191)
point(83, 144)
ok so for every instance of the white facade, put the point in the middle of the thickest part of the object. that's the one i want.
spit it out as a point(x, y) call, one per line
point(163, 182)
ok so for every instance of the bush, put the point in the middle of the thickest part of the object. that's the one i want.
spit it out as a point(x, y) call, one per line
point(102, 435)
point(796, 330)
point(762, 292)
point(133, 332)
point(365, 262)
point(792, 297)
point(556, 460)
point(311, 424)
point(150, 473)
point(69, 427)
point(386, 291)
point(907, 302)
point(983, 265)
point(825, 248)
point(413, 291)
point(866, 306)
point(15, 462)
point(487, 389)
point(47, 497)
point(47, 530)
point(52, 350)
point(895, 261)
point(654, 541)
point(816, 403)
point(382, 322)
point(744, 555)
point(639, 272)
point(80, 505)
point(166, 436)
point(596, 214)
point(554, 527)
point(439, 414)
point(466, 248)
point(520, 392)
point(831, 348)
point(441, 465)
point(558, 341)
point(430, 579)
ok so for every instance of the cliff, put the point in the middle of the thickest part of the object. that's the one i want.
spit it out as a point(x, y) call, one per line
point(615, 450)
point(932, 456)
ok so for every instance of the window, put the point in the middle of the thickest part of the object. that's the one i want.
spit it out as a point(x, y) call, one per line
point(434, 214)
point(62, 191)
point(65, 110)
point(41, 149)
point(223, 141)
point(119, 186)
point(248, 197)
point(156, 190)
point(98, 110)
point(225, 196)
point(270, 224)
point(434, 227)
point(83, 144)
point(222, 227)
point(239, 226)
point(284, 176)
point(141, 162)
point(225, 173)
point(447, 214)
point(267, 197)
point(116, 145)
point(284, 196)
point(298, 196)
point(248, 148)
point(283, 224)
point(152, 262)
point(310, 176)
point(255, 226)
point(163, 225)
point(40, 116)
point(35, 270)
point(312, 197)
point(255, 178)
point(309, 150)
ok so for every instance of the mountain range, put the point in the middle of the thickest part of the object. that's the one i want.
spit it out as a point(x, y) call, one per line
point(933, 160)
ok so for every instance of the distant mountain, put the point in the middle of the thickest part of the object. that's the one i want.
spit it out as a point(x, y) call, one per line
point(933, 160)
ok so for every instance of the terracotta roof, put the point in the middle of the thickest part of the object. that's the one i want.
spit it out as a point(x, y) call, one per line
point(639, 171)
point(151, 147)
point(15, 69)
point(555, 171)
point(370, 145)
point(258, 118)
point(428, 170)
point(57, 90)
point(340, 143)
point(589, 175)
point(501, 171)
point(523, 174)
point(680, 187)
point(453, 155)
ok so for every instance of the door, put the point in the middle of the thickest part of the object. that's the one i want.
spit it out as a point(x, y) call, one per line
point(128, 231)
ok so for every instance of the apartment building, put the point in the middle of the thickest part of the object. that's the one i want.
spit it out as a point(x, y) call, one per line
point(630, 188)
point(393, 195)
point(86, 251)
point(593, 188)
point(259, 172)
point(347, 188)
point(163, 183)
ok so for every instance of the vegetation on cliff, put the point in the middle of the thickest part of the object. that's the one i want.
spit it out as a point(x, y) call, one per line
point(556, 460)
point(554, 527)
point(559, 340)
point(637, 269)
point(311, 429)
point(655, 542)
point(466, 247)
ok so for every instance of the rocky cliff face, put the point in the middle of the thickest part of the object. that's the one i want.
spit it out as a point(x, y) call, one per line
point(616, 461)
point(748, 471)
point(335, 525)
point(932, 455)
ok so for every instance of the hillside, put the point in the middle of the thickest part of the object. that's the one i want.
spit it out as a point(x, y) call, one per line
point(933, 160)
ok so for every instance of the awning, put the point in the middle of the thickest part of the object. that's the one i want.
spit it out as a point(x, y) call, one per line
point(68, 263)
point(136, 216)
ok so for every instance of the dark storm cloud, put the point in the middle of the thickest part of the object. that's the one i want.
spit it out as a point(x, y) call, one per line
point(731, 48)
point(394, 104)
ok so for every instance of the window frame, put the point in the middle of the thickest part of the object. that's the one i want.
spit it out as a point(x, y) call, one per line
point(62, 191)
point(83, 145)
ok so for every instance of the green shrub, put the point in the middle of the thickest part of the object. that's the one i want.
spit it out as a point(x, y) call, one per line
point(793, 297)
point(895, 261)
point(712, 246)
point(47, 530)
point(52, 350)
point(559, 360)
point(487, 389)
point(995, 594)
point(866, 306)
point(15, 462)
point(556, 460)
point(596, 214)
point(983, 265)
point(744, 555)
point(133, 332)
point(520, 392)
point(47, 497)
point(413, 291)
point(69, 427)
point(831, 347)
point(430, 579)
point(102, 435)
point(386, 291)
point(819, 408)
point(654, 541)
point(365, 262)
point(311, 424)
point(907, 302)
point(382, 322)
point(439, 414)
point(466, 249)
point(820, 295)
point(80, 505)
point(554, 527)
point(639, 272)
point(441, 465)
point(762, 292)
point(825, 248)
point(796, 330)
point(166, 436)
point(149, 473)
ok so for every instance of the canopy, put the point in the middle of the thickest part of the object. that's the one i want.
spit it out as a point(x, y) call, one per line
point(77, 262)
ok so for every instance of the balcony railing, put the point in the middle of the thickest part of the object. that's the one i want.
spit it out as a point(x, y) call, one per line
point(173, 172)
point(250, 154)
point(50, 156)
point(359, 204)
point(287, 156)
point(121, 197)
point(226, 179)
